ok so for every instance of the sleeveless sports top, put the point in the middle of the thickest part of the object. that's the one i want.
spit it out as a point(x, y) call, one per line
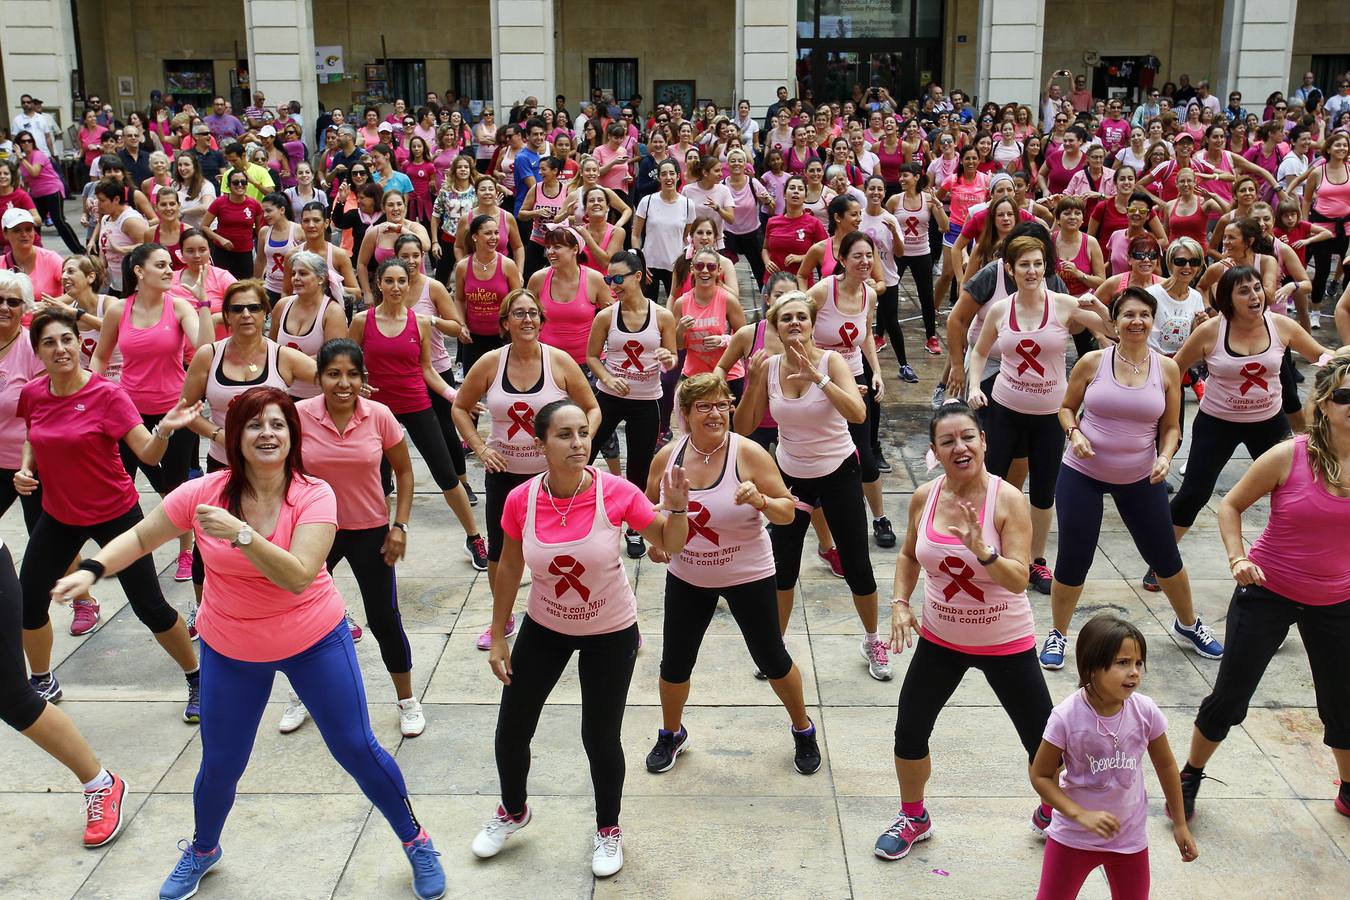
point(513, 414)
point(569, 321)
point(175, 249)
point(1031, 376)
point(586, 259)
point(1332, 199)
point(1244, 388)
point(1194, 226)
point(440, 357)
point(756, 345)
point(844, 334)
point(483, 297)
point(914, 226)
point(307, 342)
point(544, 201)
point(1082, 260)
point(114, 244)
point(991, 362)
point(964, 608)
point(710, 320)
point(813, 438)
point(274, 256)
point(394, 365)
point(152, 359)
point(1121, 422)
point(890, 162)
point(222, 391)
point(631, 355)
point(727, 543)
point(89, 343)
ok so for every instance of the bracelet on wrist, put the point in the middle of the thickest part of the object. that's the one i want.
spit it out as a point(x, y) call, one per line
point(1233, 563)
point(676, 512)
point(93, 566)
point(1069, 433)
point(899, 601)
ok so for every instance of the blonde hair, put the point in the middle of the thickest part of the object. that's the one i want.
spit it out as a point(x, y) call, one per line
point(700, 387)
point(792, 297)
point(504, 311)
point(1321, 449)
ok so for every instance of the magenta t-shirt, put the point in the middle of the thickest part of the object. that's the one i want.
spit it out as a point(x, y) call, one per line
point(623, 503)
point(244, 615)
point(75, 438)
point(1102, 772)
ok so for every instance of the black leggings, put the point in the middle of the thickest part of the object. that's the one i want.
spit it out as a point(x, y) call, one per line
point(888, 321)
point(379, 592)
point(642, 418)
point(751, 246)
point(936, 671)
point(31, 504)
point(49, 206)
point(238, 263)
point(445, 266)
point(173, 466)
point(1013, 435)
point(20, 706)
point(689, 610)
point(54, 546)
point(441, 407)
point(920, 269)
point(863, 432)
point(470, 352)
point(535, 259)
point(1322, 251)
point(497, 486)
point(605, 667)
point(840, 497)
point(1141, 505)
point(670, 379)
point(428, 435)
point(660, 277)
point(1258, 621)
point(1213, 441)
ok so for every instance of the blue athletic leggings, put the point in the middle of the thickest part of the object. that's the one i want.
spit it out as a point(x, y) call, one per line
point(328, 681)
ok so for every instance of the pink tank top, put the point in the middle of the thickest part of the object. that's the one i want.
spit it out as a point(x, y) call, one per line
point(1302, 549)
point(577, 587)
point(1243, 388)
point(152, 360)
point(569, 321)
point(1121, 422)
point(1031, 368)
point(708, 320)
point(513, 413)
point(914, 226)
point(307, 343)
point(338, 287)
point(727, 543)
point(844, 334)
point(1082, 260)
point(440, 357)
point(813, 436)
point(221, 392)
point(544, 201)
point(394, 365)
point(588, 261)
point(963, 608)
point(483, 298)
point(1332, 198)
point(757, 345)
point(631, 355)
point(993, 360)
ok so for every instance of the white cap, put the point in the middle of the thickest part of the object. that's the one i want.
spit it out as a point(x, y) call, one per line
point(14, 217)
point(267, 131)
point(386, 126)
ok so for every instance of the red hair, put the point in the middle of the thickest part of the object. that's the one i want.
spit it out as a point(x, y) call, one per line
point(246, 407)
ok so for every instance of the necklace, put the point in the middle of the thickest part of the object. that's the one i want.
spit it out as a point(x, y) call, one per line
point(12, 340)
point(562, 513)
point(482, 265)
point(1131, 363)
point(707, 454)
point(251, 366)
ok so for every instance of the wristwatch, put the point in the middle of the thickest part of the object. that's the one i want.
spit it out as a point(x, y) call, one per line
point(244, 538)
point(402, 525)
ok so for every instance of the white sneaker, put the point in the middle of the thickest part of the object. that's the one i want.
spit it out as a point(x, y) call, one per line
point(1315, 319)
point(410, 717)
point(496, 830)
point(608, 856)
point(293, 716)
point(878, 658)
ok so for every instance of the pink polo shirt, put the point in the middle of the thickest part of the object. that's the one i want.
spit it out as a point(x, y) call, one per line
point(350, 460)
point(243, 614)
point(17, 368)
point(46, 274)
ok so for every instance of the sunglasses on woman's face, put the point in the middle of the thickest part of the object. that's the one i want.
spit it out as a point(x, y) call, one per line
point(705, 267)
point(238, 182)
point(1144, 254)
point(1340, 396)
point(12, 302)
point(1185, 261)
point(237, 308)
point(617, 279)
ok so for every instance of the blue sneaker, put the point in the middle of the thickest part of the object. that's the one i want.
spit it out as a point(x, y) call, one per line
point(192, 713)
point(1052, 653)
point(187, 875)
point(428, 876)
point(896, 842)
point(1200, 638)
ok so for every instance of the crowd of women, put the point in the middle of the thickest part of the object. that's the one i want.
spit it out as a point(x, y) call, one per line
point(590, 283)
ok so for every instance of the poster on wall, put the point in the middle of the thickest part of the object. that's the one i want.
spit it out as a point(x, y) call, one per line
point(676, 91)
point(328, 63)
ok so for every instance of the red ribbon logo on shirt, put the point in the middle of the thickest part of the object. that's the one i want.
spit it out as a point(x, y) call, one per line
point(1030, 352)
point(522, 419)
point(633, 351)
point(568, 571)
point(277, 267)
point(293, 345)
point(88, 346)
point(698, 523)
point(912, 227)
point(1251, 377)
point(848, 333)
point(963, 578)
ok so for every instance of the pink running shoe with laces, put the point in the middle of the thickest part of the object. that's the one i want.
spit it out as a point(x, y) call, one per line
point(103, 812)
point(831, 557)
point(485, 639)
point(86, 617)
point(184, 570)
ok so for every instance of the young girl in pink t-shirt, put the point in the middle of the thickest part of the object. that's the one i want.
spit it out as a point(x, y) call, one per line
point(1100, 734)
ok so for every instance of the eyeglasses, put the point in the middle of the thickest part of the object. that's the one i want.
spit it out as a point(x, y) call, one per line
point(1185, 261)
point(523, 314)
point(238, 182)
point(237, 308)
point(707, 406)
point(618, 278)
point(1340, 396)
point(705, 267)
point(1144, 254)
point(12, 302)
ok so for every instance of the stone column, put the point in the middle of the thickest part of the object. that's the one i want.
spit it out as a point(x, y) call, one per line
point(766, 51)
point(37, 41)
point(1255, 46)
point(1008, 48)
point(281, 55)
point(523, 58)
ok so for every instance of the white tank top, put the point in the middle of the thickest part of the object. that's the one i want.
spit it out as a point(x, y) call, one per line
point(307, 343)
point(440, 357)
point(274, 264)
point(631, 355)
point(221, 393)
point(89, 343)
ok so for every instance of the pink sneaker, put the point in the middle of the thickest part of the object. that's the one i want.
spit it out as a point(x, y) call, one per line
point(831, 557)
point(485, 639)
point(184, 570)
point(86, 617)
